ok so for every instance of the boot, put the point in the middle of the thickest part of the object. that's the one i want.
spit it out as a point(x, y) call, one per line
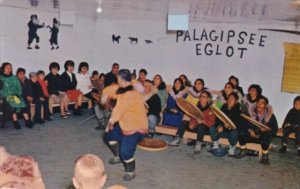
point(176, 141)
point(265, 159)
point(242, 154)
point(29, 124)
point(129, 170)
point(115, 150)
point(198, 147)
point(283, 149)
point(17, 125)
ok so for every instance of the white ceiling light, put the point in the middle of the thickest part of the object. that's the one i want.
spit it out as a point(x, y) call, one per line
point(99, 8)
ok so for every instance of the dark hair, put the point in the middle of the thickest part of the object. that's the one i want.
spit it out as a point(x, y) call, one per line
point(201, 80)
point(4, 64)
point(257, 88)
point(102, 75)
point(187, 81)
point(82, 65)
point(95, 72)
point(181, 82)
point(54, 65)
point(69, 63)
point(21, 70)
point(228, 83)
point(233, 77)
point(263, 98)
point(115, 64)
point(236, 97)
point(143, 71)
point(207, 93)
point(297, 98)
point(133, 73)
point(40, 72)
point(125, 74)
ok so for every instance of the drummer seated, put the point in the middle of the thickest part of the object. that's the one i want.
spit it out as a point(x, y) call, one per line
point(264, 115)
point(89, 172)
point(291, 124)
point(232, 110)
point(201, 127)
point(153, 105)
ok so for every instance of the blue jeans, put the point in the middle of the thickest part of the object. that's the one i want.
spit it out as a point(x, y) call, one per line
point(152, 121)
point(127, 142)
point(232, 135)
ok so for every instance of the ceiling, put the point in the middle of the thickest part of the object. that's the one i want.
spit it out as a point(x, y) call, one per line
point(229, 11)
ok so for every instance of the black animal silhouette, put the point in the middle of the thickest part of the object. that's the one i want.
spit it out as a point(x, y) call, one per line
point(133, 39)
point(116, 38)
point(54, 34)
point(148, 41)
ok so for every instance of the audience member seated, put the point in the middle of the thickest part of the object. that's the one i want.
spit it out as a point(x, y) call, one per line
point(55, 90)
point(290, 125)
point(111, 77)
point(162, 90)
point(19, 172)
point(186, 82)
point(38, 99)
point(26, 88)
point(153, 105)
point(69, 84)
point(200, 127)
point(89, 172)
point(223, 95)
point(249, 100)
point(44, 84)
point(84, 83)
point(235, 81)
point(232, 110)
point(12, 92)
point(172, 114)
point(259, 135)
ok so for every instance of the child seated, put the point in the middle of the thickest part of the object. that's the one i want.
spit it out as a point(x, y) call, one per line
point(38, 99)
point(291, 124)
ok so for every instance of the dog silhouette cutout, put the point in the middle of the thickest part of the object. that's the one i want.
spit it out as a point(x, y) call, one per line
point(133, 40)
point(116, 38)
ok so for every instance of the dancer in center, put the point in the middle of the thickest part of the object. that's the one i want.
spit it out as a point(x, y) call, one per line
point(128, 124)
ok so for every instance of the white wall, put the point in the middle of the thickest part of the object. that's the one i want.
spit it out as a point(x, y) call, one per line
point(90, 40)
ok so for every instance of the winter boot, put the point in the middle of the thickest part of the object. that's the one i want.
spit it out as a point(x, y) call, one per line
point(231, 151)
point(129, 170)
point(115, 150)
point(17, 125)
point(198, 147)
point(215, 145)
point(29, 124)
point(242, 154)
point(283, 149)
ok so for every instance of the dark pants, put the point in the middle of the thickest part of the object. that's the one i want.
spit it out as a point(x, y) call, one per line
point(232, 135)
point(263, 138)
point(200, 129)
point(32, 36)
point(287, 131)
point(38, 108)
point(127, 142)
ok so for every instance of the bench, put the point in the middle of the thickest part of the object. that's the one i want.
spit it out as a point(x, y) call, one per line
point(84, 100)
point(168, 130)
point(280, 134)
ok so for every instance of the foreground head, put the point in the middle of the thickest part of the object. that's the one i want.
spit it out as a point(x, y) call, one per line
point(21, 73)
point(89, 172)
point(199, 84)
point(232, 100)
point(83, 67)
point(254, 91)
point(69, 66)
point(54, 68)
point(6, 69)
point(157, 80)
point(234, 80)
